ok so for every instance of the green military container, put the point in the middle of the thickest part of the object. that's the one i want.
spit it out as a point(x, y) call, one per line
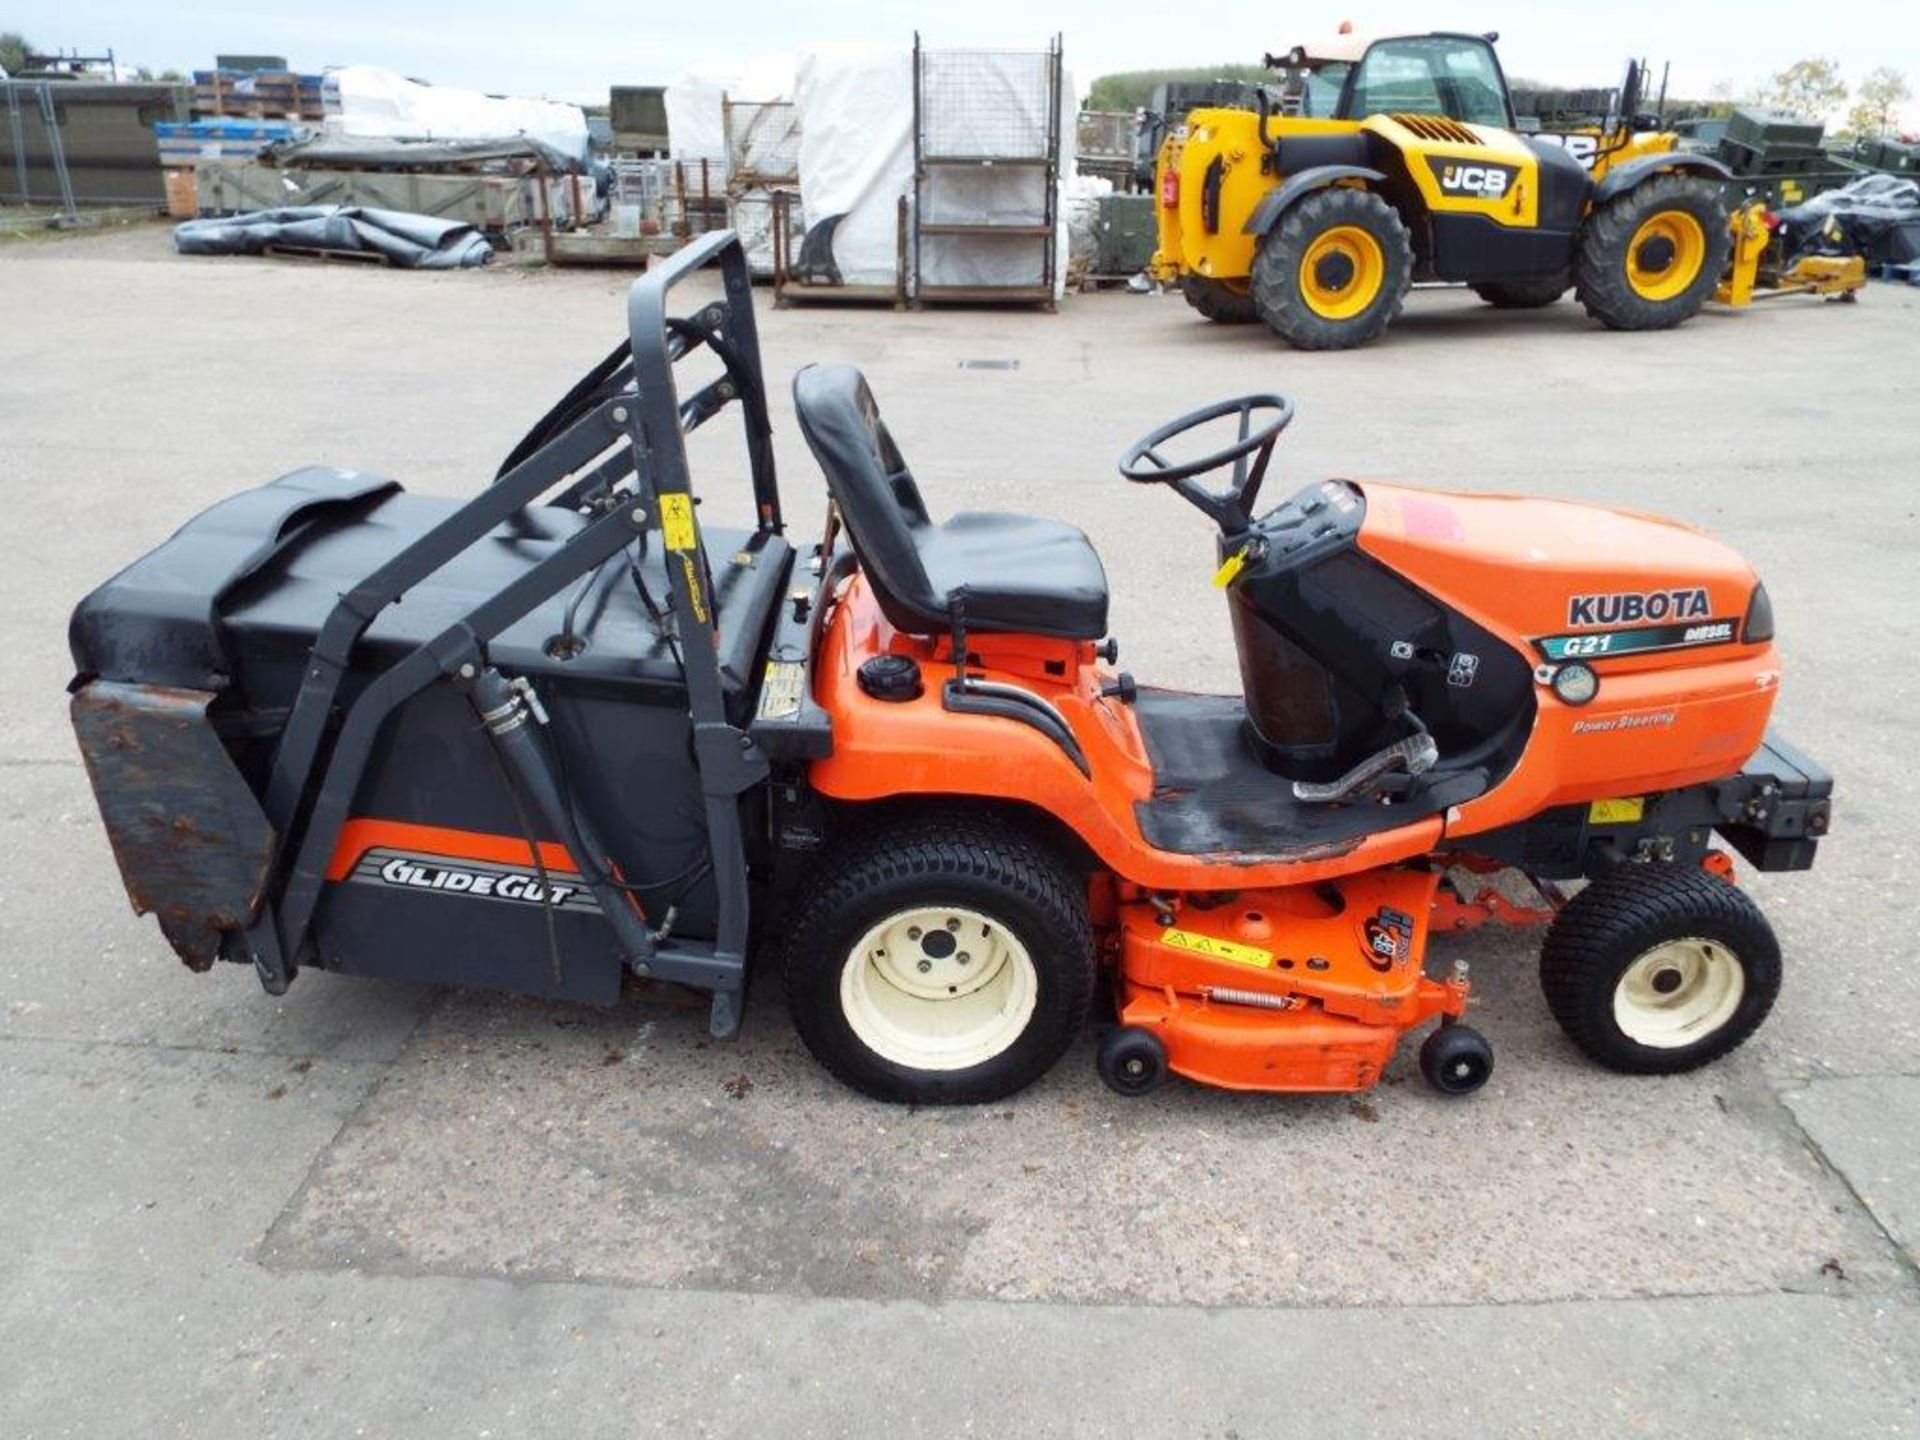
point(1764, 142)
point(1124, 234)
point(1890, 156)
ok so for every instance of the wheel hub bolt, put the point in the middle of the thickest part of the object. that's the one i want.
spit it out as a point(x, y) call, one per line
point(913, 932)
point(926, 966)
point(963, 957)
point(953, 922)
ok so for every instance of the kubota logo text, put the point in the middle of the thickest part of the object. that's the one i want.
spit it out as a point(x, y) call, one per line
point(1636, 606)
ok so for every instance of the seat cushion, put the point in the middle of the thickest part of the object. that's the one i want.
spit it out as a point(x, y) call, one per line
point(1019, 573)
point(1016, 572)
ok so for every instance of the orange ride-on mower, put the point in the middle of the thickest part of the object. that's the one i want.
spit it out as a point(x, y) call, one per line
point(546, 747)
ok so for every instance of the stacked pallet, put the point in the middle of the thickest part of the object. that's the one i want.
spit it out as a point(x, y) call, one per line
point(187, 149)
point(187, 144)
point(258, 95)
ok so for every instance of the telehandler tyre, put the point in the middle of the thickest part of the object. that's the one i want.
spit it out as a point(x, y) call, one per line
point(1655, 968)
point(1334, 272)
point(1650, 258)
point(940, 962)
point(1528, 294)
point(1221, 301)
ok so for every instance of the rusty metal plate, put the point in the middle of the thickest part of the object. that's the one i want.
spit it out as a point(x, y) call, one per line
point(187, 832)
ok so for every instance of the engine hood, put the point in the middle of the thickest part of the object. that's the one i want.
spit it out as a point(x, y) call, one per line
point(1543, 572)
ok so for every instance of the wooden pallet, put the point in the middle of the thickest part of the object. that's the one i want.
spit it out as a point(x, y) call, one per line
point(309, 252)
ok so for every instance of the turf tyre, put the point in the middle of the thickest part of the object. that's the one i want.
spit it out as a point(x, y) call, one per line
point(972, 864)
point(1626, 916)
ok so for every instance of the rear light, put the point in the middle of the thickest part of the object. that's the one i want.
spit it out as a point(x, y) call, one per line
point(1769, 219)
point(1758, 628)
point(1170, 190)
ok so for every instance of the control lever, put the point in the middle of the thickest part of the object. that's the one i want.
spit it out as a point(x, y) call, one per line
point(1415, 755)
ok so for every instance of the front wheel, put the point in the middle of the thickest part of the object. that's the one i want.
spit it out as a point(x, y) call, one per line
point(1225, 302)
point(1334, 271)
point(1654, 969)
point(940, 962)
point(1531, 293)
point(1652, 257)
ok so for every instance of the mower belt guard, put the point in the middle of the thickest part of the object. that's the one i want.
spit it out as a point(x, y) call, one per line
point(1304, 988)
point(188, 834)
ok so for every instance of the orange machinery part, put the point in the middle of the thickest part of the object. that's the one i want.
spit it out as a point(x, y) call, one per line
point(1301, 988)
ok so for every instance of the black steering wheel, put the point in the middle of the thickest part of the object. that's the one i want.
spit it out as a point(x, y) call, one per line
point(1230, 509)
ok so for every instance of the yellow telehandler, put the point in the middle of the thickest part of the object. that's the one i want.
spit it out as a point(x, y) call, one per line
point(1375, 163)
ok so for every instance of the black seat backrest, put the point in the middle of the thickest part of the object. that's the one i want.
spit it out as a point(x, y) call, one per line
point(874, 490)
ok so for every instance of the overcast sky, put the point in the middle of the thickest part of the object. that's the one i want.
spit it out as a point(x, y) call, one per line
point(573, 49)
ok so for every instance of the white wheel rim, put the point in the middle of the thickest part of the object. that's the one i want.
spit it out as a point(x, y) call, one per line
point(912, 999)
point(1678, 993)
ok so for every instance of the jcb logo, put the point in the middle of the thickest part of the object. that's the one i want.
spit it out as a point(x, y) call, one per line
point(1488, 181)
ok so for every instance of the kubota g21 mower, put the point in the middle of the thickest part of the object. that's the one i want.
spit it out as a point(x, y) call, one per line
point(547, 746)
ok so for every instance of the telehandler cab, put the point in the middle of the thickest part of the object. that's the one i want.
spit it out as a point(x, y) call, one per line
point(566, 732)
point(1377, 163)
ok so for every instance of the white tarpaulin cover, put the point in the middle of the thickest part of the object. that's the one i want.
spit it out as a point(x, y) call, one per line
point(377, 102)
point(855, 106)
point(856, 150)
point(696, 127)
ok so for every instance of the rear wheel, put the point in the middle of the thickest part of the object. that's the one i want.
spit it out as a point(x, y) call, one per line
point(1334, 272)
point(1652, 257)
point(1227, 302)
point(940, 963)
point(1654, 969)
point(1527, 294)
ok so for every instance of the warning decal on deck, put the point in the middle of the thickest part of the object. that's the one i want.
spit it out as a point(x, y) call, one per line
point(1623, 811)
point(676, 521)
point(1214, 948)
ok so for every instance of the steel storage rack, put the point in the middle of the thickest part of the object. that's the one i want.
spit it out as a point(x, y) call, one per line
point(763, 160)
point(986, 174)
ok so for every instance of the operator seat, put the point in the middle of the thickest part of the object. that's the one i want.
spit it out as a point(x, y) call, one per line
point(1008, 573)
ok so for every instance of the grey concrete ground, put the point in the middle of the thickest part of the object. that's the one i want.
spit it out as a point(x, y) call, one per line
point(369, 1209)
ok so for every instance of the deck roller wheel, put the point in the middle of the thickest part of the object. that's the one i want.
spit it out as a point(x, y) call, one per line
point(1456, 1059)
point(1132, 1061)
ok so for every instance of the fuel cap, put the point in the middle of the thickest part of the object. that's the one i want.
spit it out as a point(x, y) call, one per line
point(891, 677)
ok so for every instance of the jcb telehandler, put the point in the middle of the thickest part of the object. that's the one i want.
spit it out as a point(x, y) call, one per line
point(1373, 164)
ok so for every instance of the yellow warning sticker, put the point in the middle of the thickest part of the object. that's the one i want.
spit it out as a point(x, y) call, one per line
point(1214, 948)
point(1624, 811)
point(676, 521)
point(1230, 569)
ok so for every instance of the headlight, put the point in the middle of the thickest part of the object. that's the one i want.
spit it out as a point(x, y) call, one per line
point(1576, 684)
point(1759, 625)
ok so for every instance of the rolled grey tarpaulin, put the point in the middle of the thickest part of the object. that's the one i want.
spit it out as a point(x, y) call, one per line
point(413, 241)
